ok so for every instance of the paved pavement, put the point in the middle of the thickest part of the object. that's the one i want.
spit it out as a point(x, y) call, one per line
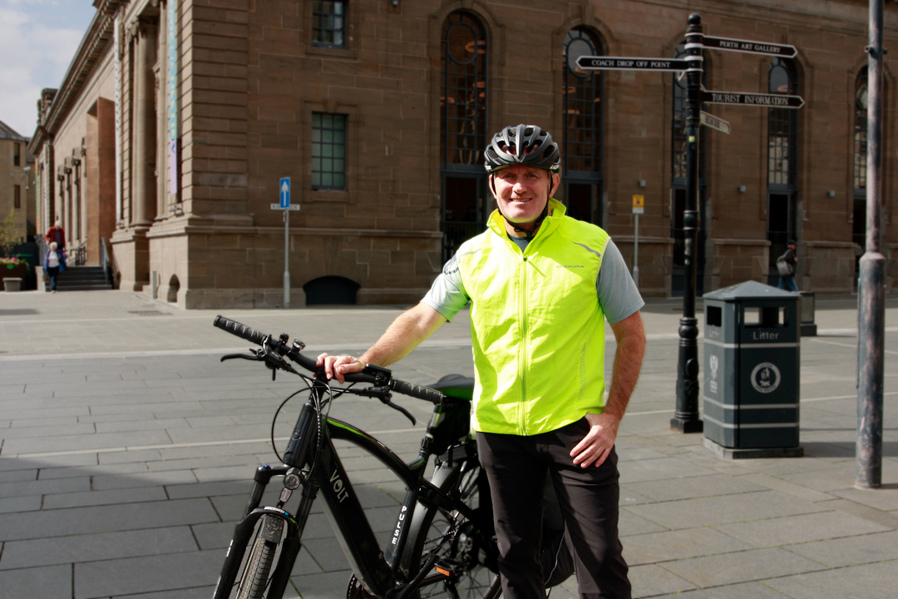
point(127, 447)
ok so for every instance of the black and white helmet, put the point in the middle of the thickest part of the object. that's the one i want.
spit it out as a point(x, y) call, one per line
point(522, 144)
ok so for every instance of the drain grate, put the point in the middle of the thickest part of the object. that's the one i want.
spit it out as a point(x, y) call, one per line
point(148, 313)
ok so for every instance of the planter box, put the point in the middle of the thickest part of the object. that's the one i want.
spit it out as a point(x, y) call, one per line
point(12, 284)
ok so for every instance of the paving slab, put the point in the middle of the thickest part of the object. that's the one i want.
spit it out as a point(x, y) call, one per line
point(124, 435)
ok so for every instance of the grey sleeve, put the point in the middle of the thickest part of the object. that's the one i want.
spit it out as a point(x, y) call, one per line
point(616, 290)
point(447, 295)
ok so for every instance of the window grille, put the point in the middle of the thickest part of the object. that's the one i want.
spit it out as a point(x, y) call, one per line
point(329, 23)
point(328, 151)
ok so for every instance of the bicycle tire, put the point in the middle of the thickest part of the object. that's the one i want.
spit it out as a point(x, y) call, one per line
point(466, 551)
point(254, 579)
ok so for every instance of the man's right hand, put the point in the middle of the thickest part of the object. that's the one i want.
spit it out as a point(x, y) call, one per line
point(338, 366)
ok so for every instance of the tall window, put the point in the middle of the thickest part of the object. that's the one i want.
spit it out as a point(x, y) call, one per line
point(679, 173)
point(860, 133)
point(464, 93)
point(17, 196)
point(463, 104)
point(328, 151)
point(782, 162)
point(329, 23)
point(679, 153)
point(582, 141)
point(859, 178)
point(16, 155)
point(782, 126)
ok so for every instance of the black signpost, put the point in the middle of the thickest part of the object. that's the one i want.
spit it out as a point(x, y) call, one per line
point(686, 418)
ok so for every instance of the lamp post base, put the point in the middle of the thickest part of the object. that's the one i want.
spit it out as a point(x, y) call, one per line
point(686, 426)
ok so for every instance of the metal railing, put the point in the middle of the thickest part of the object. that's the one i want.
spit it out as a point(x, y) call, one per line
point(105, 262)
point(78, 255)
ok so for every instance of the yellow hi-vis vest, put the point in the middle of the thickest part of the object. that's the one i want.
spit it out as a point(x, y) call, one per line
point(537, 328)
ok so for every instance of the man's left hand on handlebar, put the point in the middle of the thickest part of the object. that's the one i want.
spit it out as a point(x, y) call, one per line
point(338, 366)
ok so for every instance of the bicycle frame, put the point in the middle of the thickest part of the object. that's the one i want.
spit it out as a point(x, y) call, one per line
point(378, 571)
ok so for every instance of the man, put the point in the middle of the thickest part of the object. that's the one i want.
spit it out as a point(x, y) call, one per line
point(541, 285)
point(56, 234)
point(786, 267)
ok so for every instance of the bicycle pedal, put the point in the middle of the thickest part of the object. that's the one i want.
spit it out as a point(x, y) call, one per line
point(446, 568)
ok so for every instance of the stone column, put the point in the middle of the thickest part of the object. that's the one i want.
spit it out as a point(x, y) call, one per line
point(144, 133)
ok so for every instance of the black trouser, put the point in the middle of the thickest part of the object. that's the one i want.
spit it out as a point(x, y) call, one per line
point(52, 272)
point(516, 467)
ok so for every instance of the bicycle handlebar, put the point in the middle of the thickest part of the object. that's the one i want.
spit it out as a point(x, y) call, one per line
point(374, 375)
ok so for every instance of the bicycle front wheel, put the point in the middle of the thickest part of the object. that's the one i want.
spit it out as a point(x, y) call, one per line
point(255, 576)
point(463, 547)
point(251, 579)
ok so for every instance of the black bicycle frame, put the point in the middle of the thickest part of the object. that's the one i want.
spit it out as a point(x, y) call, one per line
point(377, 570)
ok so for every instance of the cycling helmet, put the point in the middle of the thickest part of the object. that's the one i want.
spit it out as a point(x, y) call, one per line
point(522, 144)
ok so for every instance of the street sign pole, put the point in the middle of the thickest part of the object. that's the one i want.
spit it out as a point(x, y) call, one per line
point(284, 193)
point(638, 208)
point(686, 418)
point(871, 282)
point(286, 259)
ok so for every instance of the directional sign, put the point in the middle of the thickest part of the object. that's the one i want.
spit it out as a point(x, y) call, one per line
point(768, 49)
point(715, 123)
point(617, 63)
point(285, 192)
point(764, 100)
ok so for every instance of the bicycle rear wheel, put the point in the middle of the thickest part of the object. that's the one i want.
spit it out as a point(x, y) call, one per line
point(463, 547)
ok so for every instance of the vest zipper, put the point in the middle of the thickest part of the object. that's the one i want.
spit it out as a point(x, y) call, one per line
point(525, 343)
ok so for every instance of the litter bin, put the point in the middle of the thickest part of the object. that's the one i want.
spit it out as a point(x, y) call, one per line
point(750, 393)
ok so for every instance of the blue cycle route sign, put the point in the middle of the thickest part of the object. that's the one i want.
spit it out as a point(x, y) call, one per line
point(285, 192)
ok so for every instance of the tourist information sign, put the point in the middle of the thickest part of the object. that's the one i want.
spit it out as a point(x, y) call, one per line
point(750, 99)
point(766, 48)
point(617, 63)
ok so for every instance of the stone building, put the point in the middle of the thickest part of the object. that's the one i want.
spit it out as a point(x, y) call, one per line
point(178, 119)
point(16, 188)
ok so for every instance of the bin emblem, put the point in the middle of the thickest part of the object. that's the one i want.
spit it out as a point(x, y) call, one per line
point(766, 377)
point(714, 366)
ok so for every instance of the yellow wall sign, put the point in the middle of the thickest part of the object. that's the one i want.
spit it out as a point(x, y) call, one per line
point(638, 204)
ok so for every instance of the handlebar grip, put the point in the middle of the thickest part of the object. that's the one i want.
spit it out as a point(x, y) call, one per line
point(425, 393)
point(241, 330)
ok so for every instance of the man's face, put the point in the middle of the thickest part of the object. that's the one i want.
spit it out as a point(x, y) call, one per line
point(522, 192)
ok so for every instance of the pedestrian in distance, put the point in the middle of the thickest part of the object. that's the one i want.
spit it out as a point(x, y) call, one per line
point(541, 286)
point(785, 265)
point(56, 234)
point(54, 263)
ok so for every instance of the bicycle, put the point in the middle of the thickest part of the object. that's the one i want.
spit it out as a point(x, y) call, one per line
point(442, 544)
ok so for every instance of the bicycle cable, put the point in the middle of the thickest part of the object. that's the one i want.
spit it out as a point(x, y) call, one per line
point(318, 412)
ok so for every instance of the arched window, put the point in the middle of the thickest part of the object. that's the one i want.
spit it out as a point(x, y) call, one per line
point(464, 92)
point(679, 164)
point(782, 126)
point(463, 109)
point(582, 142)
point(782, 162)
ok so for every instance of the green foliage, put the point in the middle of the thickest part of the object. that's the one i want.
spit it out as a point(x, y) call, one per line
point(8, 240)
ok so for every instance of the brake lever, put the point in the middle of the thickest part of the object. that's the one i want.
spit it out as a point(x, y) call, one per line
point(385, 397)
point(405, 412)
point(252, 358)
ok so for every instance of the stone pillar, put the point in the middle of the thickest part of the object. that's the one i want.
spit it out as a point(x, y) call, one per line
point(144, 133)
